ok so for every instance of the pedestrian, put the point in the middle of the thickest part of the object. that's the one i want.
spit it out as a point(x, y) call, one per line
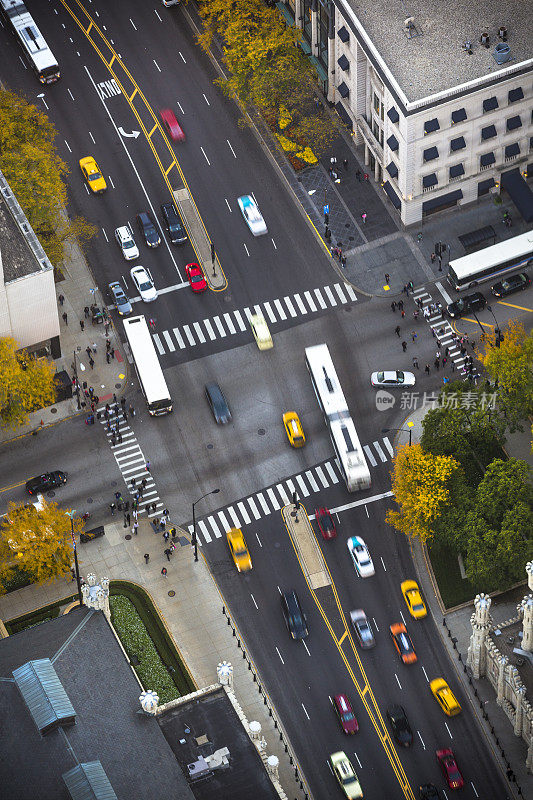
point(473, 345)
point(119, 437)
point(82, 324)
point(123, 402)
point(410, 286)
point(358, 175)
point(113, 440)
point(363, 217)
point(433, 257)
point(93, 407)
point(343, 262)
point(403, 313)
point(426, 312)
point(144, 482)
point(333, 161)
point(112, 352)
point(107, 359)
point(387, 278)
point(173, 532)
point(108, 344)
point(91, 362)
point(427, 369)
point(365, 177)
point(61, 299)
point(405, 290)
point(113, 507)
point(400, 305)
point(453, 366)
point(447, 352)
point(115, 398)
point(437, 354)
point(419, 237)
point(94, 347)
point(172, 547)
point(106, 414)
point(147, 466)
point(146, 558)
point(413, 336)
point(166, 513)
point(420, 303)
point(433, 333)
point(415, 362)
point(132, 483)
point(415, 314)
point(118, 497)
point(444, 361)
point(154, 506)
point(108, 426)
point(125, 415)
point(135, 513)
point(437, 363)
point(134, 505)
point(65, 320)
point(162, 523)
point(167, 552)
point(86, 312)
point(393, 305)
point(345, 164)
point(131, 411)
point(128, 519)
point(404, 346)
point(397, 330)
point(166, 536)
point(440, 263)
point(164, 572)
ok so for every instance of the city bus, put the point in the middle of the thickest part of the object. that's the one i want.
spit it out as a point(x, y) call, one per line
point(491, 263)
point(147, 366)
point(41, 59)
point(343, 435)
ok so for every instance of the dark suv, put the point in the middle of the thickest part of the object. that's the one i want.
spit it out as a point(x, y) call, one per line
point(46, 481)
point(470, 302)
point(512, 284)
point(294, 616)
point(217, 403)
point(148, 229)
point(173, 224)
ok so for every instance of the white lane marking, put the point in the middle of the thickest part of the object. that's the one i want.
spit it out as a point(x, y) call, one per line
point(67, 144)
point(310, 301)
point(388, 445)
point(240, 321)
point(218, 323)
point(280, 309)
point(273, 499)
point(444, 293)
point(158, 344)
point(376, 624)
point(155, 62)
point(384, 567)
point(173, 288)
point(206, 100)
point(231, 148)
point(370, 455)
point(206, 158)
point(182, 56)
point(229, 322)
point(253, 599)
point(274, 243)
point(379, 451)
point(305, 712)
point(253, 506)
point(449, 731)
point(235, 518)
point(228, 205)
point(179, 337)
point(270, 313)
point(306, 647)
point(224, 521)
point(169, 341)
point(420, 737)
point(300, 304)
point(290, 306)
point(247, 251)
point(342, 296)
point(282, 494)
point(425, 673)
point(214, 526)
point(203, 528)
point(180, 107)
point(303, 487)
point(321, 477)
point(263, 502)
point(322, 303)
point(188, 334)
point(350, 292)
point(330, 296)
point(357, 757)
point(242, 509)
point(404, 622)
point(258, 540)
point(331, 472)
point(474, 788)
point(209, 328)
point(196, 326)
point(280, 658)
point(397, 678)
point(310, 478)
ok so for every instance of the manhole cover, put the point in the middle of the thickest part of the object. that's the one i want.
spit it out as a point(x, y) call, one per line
point(118, 385)
point(228, 298)
point(128, 537)
point(339, 244)
point(53, 411)
point(261, 432)
point(351, 238)
point(89, 500)
point(347, 225)
point(51, 494)
point(210, 446)
point(172, 593)
point(276, 544)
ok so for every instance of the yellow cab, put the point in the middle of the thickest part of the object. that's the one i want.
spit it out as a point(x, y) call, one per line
point(413, 599)
point(445, 697)
point(261, 332)
point(293, 429)
point(239, 551)
point(92, 174)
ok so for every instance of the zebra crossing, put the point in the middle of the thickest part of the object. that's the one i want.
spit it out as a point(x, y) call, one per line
point(267, 501)
point(237, 321)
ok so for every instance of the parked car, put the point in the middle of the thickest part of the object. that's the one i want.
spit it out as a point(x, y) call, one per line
point(294, 617)
point(196, 278)
point(401, 730)
point(173, 223)
point(413, 598)
point(46, 481)
point(392, 379)
point(325, 523)
point(362, 561)
point(238, 549)
point(120, 300)
point(470, 302)
point(343, 709)
point(142, 278)
point(448, 765)
point(252, 215)
point(217, 403)
point(92, 174)
point(148, 229)
point(512, 284)
point(363, 631)
point(174, 129)
point(346, 776)
point(126, 242)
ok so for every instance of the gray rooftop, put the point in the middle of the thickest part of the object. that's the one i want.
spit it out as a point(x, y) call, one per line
point(435, 60)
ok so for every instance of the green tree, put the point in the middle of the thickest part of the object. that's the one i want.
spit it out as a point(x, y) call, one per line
point(26, 384)
point(505, 484)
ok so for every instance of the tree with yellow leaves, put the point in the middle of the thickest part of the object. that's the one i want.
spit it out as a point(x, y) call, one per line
point(419, 484)
point(26, 384)
point(36, 538)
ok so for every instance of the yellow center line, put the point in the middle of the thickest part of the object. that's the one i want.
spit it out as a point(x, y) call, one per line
point(511, 305)
point(150, 133)
point(13, 486)
point(343, 637)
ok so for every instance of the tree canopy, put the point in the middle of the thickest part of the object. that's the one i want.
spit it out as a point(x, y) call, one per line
point(26, 384)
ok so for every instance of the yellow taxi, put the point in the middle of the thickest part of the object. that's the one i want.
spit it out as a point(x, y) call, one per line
point(91, 172)
point(445, 697)
point(413, 598)
point(239, 551)
point(293, 429)
point(261, 332)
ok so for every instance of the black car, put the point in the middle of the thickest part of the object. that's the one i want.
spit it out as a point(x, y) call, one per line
point(173, 224)
point(470, 302)
point(399, 723)
point(294, 616)
point(148, 229)
point(428, 792)
point(217, 403)
point(46, 481)
point(514, 283)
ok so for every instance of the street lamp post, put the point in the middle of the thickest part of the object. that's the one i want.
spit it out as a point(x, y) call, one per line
point(76, 565)
point(77, 383)
point(497, 332)
point(194, 541)
point(386, 430)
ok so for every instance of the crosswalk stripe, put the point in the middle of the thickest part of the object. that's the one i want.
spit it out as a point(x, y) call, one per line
point(179, 338)
point(322, 303)
point(247, 313)
point(258, 310)
point(303, 488)
point(350, 292)
point(388, 445)
point(273, 499)
point(290, 306)
point(158, 344)
point(268, 309)
point(199, 333)
point(214, 526)
point(209, 328)
point(129, 472)
point(242, 509)
point(218, 323)
point(330, 296)
point(379, 451)
point(338, 289)
point(253, 506)
point(234, 517)
point(331, 472)
point(311, 479)
point(131, 458)
point(224, 521)
point(282, 494)
point(229, 323)
point(322, 478)
point(300, 304)
point(291, 487)
point(188, 334)
point(240, 321)
point(168, 340)
point(203, 528)
point(125, 449)
point(264, 504)
point(310, 301)
point(370, 455)
point(280, 309)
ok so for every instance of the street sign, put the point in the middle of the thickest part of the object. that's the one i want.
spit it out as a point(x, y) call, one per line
point(326, 208)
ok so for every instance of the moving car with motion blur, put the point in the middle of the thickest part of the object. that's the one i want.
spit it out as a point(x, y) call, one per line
point(363, 631)
point(470, 302)
point(252, 215)
point(346, 776)
point(238, 549)
point(401, 730)
point(364, 566)
point(449, 767)
point(413, 599)
point(402, 642)
point(293, 615)
point(120, 300)
point(325, 523)
point(46, 481)
point(445, 697)
point(217, 403)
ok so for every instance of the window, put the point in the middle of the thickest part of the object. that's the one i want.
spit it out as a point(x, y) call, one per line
point(392, 169)
point(343, 35)
point(428, 181)
point(456, 171)
point(431, 125)
point(457, 144)
point(487, 160)
point(513, 123)
point(376, 103)
point(392, 141)
point(375, 129)
point(484, 187)
point(343, 63)
point(488, 133)
point(393, 115)
point(515, 94)
point(489, 104)
point(431, 153)
point(458, 116)
point(512, 151)
point(343, 90)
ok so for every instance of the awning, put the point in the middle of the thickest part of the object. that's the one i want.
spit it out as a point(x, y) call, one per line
point(515, 94)
point(429, 180)
point(431, 125)
point(512, 150)
point(392, 141)
point(490, 104)
point(457, 170)
point(393, 115)
point(484, 186)
point(392, 169)
point(343, 90)
point(489, 132)
point(459, 115)
point(431, 153)
point(443, 200)
point(343, 114)
point(393, 197)
point(343, 34)
point(343, 63)
point(519, 192)
point(513, 123)
point(458, 144)
point(487, 159)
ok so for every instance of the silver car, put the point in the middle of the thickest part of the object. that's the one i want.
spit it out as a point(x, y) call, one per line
point(362, 629)
point(119, 298)
point(393, 379)
point(126, 242)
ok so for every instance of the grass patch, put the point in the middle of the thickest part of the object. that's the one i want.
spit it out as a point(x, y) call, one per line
point(453, 589)
point(44, 614)
point(18, 580)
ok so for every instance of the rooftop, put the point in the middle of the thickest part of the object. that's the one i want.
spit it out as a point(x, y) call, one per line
point(435, 61)
point(509, 640)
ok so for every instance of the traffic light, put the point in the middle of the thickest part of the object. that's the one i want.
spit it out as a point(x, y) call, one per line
point(326, 219)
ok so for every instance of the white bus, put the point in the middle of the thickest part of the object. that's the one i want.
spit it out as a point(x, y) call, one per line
point(492, 262)
point(337, 417)
point(30, 38)
point(147, 366)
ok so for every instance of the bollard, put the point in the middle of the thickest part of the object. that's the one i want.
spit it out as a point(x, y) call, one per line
point(224, 610)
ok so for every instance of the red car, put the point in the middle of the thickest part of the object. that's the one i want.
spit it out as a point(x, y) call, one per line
point(196, 278)
point(172, 125)
point(449, 766)
point(325, 523)
point(343, 709)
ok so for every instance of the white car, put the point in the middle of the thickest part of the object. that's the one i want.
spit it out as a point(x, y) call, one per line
point(126, 243)
point(252, 215)
point(393, 379)
point(144, 282)
point(361, 557)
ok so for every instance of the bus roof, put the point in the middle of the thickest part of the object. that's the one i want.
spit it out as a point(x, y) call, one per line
point(327, 382)
point(493, 255)
point(146, 360)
